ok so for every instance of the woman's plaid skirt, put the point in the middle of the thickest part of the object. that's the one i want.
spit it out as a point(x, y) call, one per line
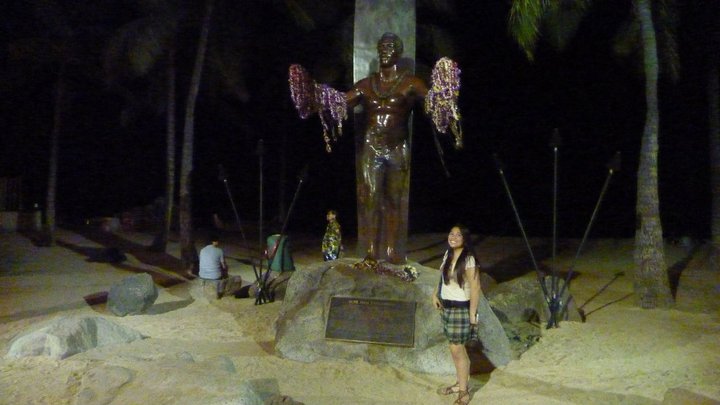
point(456, 324)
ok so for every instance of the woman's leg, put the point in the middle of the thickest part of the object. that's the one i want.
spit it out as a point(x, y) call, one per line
point(462, 365)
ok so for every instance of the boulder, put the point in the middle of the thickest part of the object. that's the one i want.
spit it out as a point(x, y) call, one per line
point(521, 308)
point(300, 326)
point(487, 283)
point(518, 300)
point(522, 299)
point(100, 385)
point(132, 295)
point(66, 336)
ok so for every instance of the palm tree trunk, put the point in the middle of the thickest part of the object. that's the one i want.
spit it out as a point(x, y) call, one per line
point(713, 94)
point(50, 210)
point(281, 180)
point(651, 282)
point(188, 252)
point(160, 242)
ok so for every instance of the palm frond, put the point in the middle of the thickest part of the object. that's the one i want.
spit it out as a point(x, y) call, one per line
point(628, 42)
point(666, 27)
point(562, 19)
point(524, 23)
point(145, 47)
point(228, 61)
point(138, 45)
point(301, 17)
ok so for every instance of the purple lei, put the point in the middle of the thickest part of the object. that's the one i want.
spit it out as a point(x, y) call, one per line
point(332, 113)
point(301, 90)
point(441, 102)
point(309, 97)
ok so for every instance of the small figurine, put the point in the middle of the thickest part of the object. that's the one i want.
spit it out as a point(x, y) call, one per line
point(332, 241)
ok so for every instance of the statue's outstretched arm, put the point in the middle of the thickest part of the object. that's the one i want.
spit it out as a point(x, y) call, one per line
point(310, 97)
point(441, 102)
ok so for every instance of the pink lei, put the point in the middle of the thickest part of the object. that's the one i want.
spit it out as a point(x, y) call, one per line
point(310, 97)
point(441, 103)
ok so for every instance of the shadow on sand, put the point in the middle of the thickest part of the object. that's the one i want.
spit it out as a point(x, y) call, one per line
point(676, 270)
point(519, 264)
point(143, 254)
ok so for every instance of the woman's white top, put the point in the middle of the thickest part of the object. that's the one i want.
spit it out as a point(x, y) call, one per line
point(452, 291)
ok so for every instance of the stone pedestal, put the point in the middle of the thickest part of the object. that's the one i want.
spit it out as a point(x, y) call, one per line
point(300, 327)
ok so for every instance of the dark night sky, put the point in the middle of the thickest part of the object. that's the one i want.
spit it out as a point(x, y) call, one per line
point(510, 106)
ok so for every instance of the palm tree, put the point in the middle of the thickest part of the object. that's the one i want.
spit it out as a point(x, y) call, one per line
point(527, 17)
point(140, 44)
point(651, 282)
point(63, 47)
point(160, 242)
point(50, 208)
point(713, 95)
point(188, 252)
point(143, 43)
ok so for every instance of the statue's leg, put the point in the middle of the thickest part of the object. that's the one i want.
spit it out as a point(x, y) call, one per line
point(370, 186)
point(362, 195)
point(396, 204)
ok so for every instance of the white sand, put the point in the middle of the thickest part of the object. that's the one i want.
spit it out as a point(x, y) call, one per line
point(621, 353)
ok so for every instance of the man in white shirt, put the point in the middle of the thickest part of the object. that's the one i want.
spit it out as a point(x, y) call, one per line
point(213, 268)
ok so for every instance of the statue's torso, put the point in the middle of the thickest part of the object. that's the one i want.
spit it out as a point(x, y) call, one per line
point(387, 106)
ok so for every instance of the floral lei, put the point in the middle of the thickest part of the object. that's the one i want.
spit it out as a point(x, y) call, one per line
point(403, 272)
point(441, 102)
point(308, 97)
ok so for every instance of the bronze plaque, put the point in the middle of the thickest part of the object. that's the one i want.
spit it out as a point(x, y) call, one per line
point(370, 320)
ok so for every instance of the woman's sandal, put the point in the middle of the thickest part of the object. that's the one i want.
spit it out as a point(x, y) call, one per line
point(463, 398)
point(452, 389)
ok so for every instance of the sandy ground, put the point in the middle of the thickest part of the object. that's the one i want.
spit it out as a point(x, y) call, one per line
point(622, 354)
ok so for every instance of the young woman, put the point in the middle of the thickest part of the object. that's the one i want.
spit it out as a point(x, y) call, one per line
point(457, 296)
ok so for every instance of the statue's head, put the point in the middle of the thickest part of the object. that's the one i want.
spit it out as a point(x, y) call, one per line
point(390, 48)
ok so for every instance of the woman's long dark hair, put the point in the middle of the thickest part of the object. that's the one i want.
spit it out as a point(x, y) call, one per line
point(460, 265)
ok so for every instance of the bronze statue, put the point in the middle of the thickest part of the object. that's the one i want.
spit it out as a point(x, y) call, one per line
point(387, 97)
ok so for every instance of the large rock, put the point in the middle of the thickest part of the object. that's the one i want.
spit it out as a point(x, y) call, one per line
point(132, 295)
point(300, 327)
point(100, 385)
point(522, 299)
point(66, 336)
point(521, 308)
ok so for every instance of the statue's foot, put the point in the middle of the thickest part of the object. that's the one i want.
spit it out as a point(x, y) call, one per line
point(396, 260)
